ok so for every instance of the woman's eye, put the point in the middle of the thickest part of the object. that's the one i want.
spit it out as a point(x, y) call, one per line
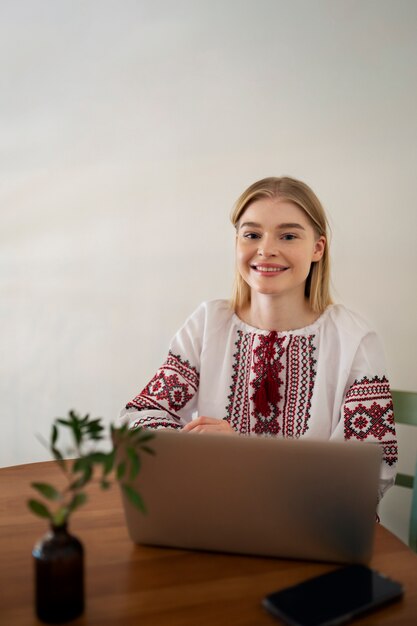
point(251, 235)
point(288, 237)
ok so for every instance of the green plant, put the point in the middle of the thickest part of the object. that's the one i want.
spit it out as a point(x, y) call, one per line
point(122, 461)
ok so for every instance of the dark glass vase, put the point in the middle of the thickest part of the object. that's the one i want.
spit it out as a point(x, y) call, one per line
point(59, 576)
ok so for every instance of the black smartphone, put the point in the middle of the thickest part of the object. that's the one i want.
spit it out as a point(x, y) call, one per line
point(333, 598)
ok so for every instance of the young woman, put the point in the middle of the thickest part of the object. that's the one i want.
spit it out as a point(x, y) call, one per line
point(279, 359)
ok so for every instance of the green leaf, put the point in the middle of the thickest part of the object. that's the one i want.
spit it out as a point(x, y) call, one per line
point(94, 432)
point(139, 440)
point(58, 457)
point(134, 497)
point(89, 460)
point(77, 433)
point(121, 470)
point(109, 462)
point(148, 450)
point(48, 491)
point(54, 436)
point(57, 454)
point(60, 420)
point(104, 484)
point(95, 423)
point(60, 516)
point(39, 509)
point(134, 462)
point(98, 457)
point(135, 433)
point(82, 480)
point(74, 417)
point(96, 437)
point(78, 500)
point(146, 436)
point(81, 464)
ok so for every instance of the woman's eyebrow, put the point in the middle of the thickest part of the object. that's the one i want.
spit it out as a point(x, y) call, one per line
point(278, 227)
point(291, 225)
point(250, 225)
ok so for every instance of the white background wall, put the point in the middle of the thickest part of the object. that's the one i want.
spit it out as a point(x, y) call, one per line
point(128, 129)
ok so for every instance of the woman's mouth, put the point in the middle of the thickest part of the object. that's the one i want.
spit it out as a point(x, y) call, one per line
point(268, 269)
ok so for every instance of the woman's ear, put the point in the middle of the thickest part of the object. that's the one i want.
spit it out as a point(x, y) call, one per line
point(319, 248)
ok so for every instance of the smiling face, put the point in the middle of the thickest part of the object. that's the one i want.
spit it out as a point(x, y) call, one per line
point(275, 246)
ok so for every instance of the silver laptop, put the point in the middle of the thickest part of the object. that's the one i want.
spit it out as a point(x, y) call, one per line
point(258, 495)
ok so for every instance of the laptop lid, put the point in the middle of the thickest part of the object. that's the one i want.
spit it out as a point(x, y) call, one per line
point(258, 495)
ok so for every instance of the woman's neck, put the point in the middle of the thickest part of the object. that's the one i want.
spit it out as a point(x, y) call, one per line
point(269, 312)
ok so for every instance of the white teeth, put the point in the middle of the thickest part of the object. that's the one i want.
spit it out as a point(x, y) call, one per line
point(261, 268)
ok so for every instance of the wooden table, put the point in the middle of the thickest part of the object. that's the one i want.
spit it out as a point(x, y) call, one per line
point(138, 585)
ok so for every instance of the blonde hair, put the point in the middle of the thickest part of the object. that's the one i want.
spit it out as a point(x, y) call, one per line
point(317, 288)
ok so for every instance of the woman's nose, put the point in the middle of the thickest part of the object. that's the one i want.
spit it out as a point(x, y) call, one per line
point(267, 247)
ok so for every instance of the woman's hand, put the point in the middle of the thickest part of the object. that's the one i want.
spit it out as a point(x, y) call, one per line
point(204, 424)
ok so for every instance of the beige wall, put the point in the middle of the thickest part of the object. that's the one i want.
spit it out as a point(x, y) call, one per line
point(129, 128)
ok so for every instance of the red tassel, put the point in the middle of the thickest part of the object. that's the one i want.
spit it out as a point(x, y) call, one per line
point(271, 387)
point(260, 399)
point(268, 390)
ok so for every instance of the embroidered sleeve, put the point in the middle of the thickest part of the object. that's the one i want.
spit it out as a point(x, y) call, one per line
point(170, 398)
point(161, 402)
point(369, 416)
point(367, 412)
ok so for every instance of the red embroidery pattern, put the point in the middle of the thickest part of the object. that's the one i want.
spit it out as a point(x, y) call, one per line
point(301, 374)
point(238, 409)
point(267, 363)
point(174, 384)
point(292, 370)
point(368, 415)
point(152, 422)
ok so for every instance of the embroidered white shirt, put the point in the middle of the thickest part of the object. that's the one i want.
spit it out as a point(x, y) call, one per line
point(331, 380)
